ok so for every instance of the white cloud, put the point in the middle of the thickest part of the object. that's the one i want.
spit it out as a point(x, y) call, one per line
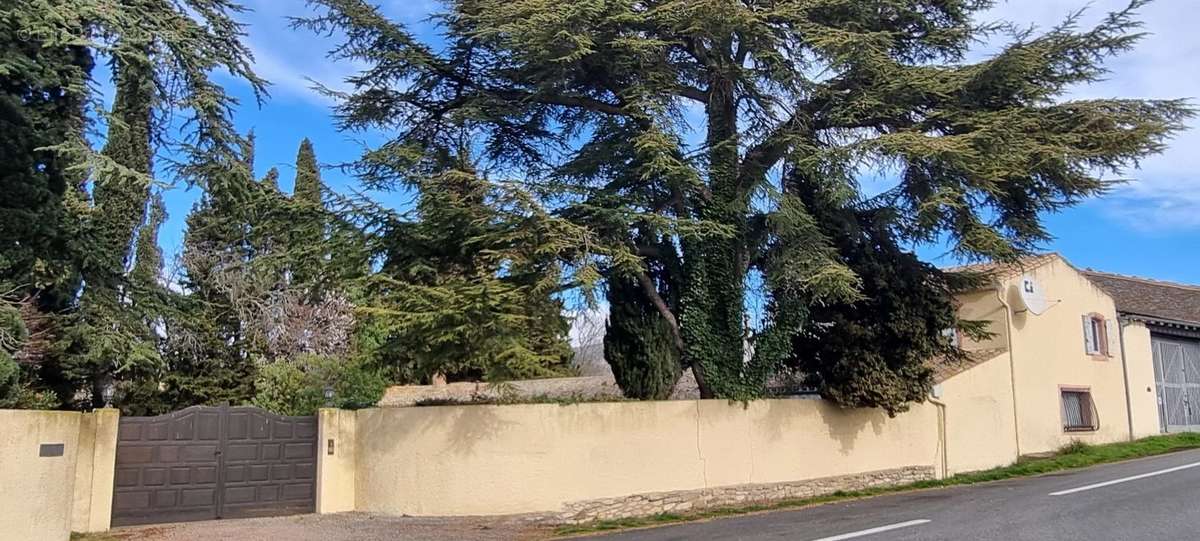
point(1164, 193)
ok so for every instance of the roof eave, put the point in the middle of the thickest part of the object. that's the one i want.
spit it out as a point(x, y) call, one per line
point(1163, 322)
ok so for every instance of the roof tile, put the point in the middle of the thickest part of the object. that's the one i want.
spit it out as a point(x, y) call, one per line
point(1151, 298)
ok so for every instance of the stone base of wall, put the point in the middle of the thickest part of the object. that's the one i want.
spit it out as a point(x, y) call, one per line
point(734, 495)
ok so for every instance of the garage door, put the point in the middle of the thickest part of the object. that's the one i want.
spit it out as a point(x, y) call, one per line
point(1177, 374)
point(205, 463)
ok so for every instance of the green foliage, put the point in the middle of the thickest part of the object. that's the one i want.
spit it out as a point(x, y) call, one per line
point(874, 350)
point(68, 252)
point(297, 387)
point(40, 223)
point(9, 376)
point(286, 389)
point(306, 231)
point(15, 392)
point(638, 344)
point(467, 290)
point(586, 100)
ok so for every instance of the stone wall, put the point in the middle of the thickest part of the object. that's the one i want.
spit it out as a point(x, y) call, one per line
point(687, 500)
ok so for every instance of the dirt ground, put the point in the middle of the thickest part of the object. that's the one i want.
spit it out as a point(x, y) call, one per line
point(339, 527)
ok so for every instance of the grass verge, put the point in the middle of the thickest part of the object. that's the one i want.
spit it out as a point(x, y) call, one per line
point(1071, 456)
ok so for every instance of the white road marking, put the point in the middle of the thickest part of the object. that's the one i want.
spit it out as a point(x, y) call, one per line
point(1126, 479)
point(872, 531)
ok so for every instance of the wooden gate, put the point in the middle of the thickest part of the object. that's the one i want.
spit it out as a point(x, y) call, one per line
point(205, 463)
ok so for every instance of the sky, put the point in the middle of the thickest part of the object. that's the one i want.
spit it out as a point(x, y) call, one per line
point(1147, 227)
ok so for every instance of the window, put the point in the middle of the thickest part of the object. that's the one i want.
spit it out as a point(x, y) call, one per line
point(1095, 335)
point(1078, 411)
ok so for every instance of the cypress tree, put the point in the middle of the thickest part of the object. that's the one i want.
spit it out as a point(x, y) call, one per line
point(308, 187)
point(63, 240)
point(638, 343)
point(120, 194)
point(105, 336)
point(148, 258)
point(307, 228)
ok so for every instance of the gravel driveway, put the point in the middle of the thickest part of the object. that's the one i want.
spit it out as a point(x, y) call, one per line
point(339, 527)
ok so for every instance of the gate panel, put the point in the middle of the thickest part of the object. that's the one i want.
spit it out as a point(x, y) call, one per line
point(167, 467)
point(270, 464)
point(204, 463)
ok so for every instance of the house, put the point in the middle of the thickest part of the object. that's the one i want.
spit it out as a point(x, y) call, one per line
point(1073, 355)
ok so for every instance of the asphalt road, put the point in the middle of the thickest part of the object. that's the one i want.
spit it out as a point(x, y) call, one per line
point(1162, 501)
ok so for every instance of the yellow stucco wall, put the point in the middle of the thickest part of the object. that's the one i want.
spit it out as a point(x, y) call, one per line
point(1143, 399)
point(980, 428)
point(94, 470)
point(37, 493)
point(45, 498)
point(336, 470)
point(1048, 351)
point(984, 306)
point(487, 460)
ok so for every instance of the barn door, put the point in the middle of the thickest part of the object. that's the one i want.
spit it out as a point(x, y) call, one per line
point(1177, 374)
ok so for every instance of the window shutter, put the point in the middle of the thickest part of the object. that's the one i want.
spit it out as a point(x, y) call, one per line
point(1089, 344)
point(1113, 329)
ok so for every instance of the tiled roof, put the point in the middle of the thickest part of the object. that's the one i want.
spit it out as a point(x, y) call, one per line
point(944, 370)
point(1006, 270)
point(1151, 298)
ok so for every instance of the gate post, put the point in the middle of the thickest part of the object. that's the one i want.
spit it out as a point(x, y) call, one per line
point(94, 469)
point(336, 460)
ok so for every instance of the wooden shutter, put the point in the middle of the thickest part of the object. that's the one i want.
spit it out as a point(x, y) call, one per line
point(1089, 344)
point(1113, 328)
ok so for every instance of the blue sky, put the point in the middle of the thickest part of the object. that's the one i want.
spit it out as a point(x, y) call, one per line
point(1148, 227)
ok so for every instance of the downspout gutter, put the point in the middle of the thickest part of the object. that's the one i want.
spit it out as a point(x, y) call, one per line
point(1012, 364)
point(1121, 321)
point(941, 406)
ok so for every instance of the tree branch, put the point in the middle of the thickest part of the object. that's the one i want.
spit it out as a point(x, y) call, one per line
point(652, 292)
point(694, 93)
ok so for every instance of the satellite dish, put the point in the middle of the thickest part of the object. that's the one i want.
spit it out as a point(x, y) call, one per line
point(1032, 296)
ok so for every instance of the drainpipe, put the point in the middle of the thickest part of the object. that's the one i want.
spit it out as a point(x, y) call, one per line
point(941, 406)
point(1121, 321)
point(1012, 364)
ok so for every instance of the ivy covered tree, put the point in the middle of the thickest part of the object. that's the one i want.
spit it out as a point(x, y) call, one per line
point(594, 103)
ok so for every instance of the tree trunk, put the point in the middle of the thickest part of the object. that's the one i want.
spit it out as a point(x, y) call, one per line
point(713, 296)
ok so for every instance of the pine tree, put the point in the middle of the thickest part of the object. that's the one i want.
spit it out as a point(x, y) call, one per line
point(467, 289)
point(589, 102)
